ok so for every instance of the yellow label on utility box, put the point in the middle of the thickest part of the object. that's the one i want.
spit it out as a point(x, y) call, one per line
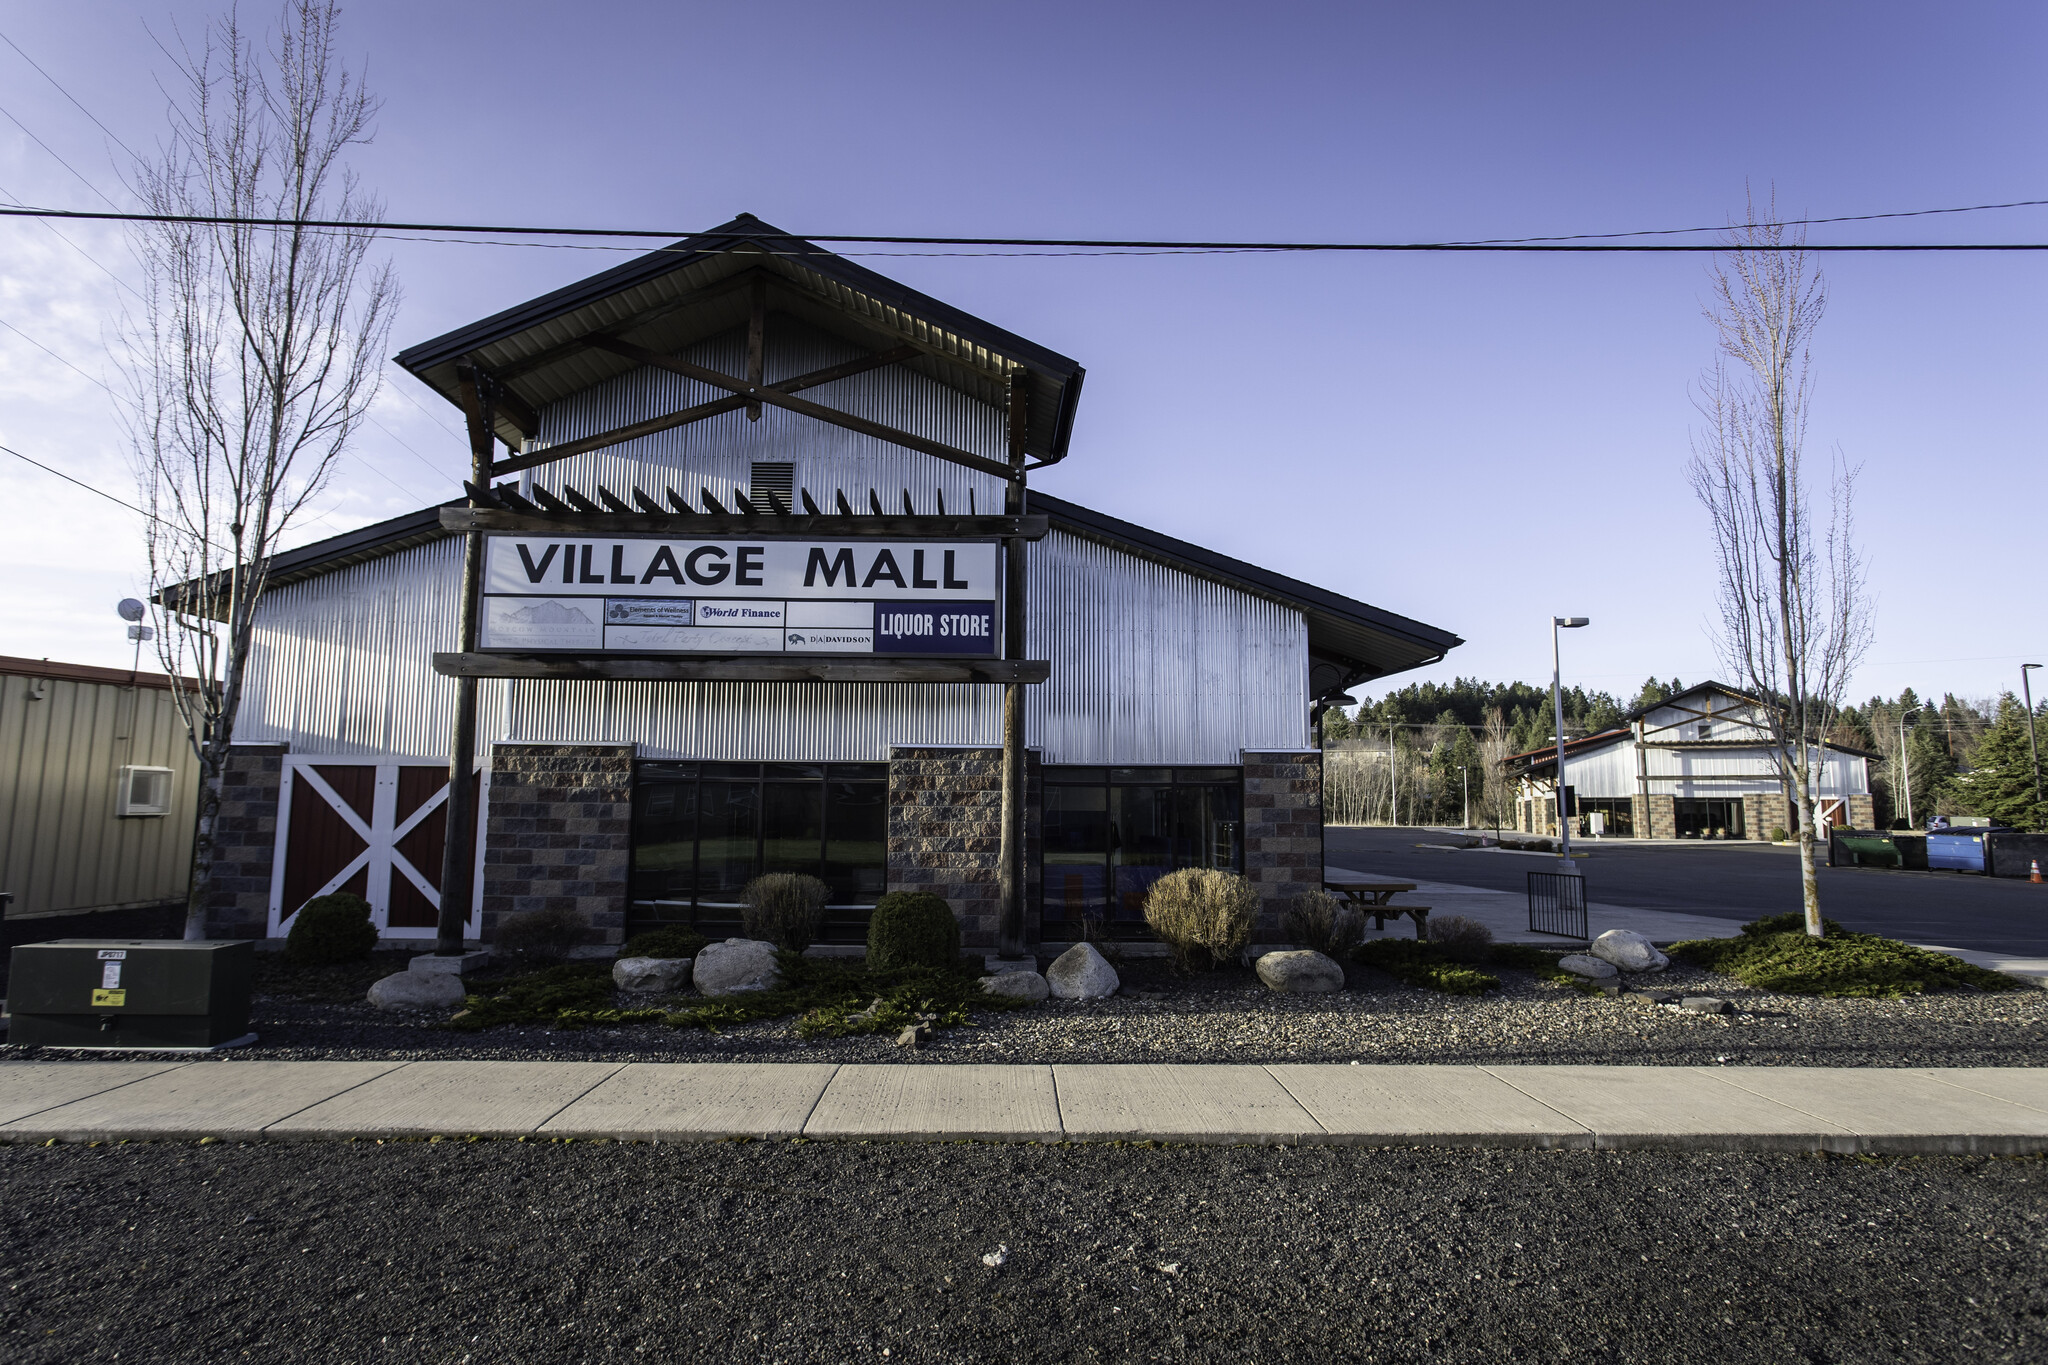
point(103, 999)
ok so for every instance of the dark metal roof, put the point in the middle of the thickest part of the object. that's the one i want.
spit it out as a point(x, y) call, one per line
point(681, 294)
point(1360, 637)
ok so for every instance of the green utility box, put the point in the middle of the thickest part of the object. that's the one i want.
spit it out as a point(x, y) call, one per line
point(130, 993)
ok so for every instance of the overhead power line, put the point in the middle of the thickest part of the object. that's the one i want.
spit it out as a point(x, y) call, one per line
point(1577, 245)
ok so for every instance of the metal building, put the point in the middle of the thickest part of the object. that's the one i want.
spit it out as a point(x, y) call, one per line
point(642, 751)
point(98, 789)
point(1699, 765)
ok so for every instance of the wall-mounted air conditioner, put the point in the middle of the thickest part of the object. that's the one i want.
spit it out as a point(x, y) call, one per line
point(143, 791)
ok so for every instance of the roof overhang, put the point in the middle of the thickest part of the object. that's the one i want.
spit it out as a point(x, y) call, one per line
point(703, 286)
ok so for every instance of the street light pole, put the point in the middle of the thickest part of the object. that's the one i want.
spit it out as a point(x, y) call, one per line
point(2027, 686)
point(1564, 831)
point(1906, 768)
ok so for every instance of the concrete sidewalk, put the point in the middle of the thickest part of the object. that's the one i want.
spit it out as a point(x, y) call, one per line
point(1954, 1110)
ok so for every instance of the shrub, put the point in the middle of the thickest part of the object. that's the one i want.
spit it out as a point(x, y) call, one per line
point(1321, 921)
point(547, 935)
point(1777, 954)
point(1203, 915)
point(1777, 834)
point(330, 929)
point(1422, 964)
point(670, 943)
point(913, 929)
point(784, 908)
point(1461, 939)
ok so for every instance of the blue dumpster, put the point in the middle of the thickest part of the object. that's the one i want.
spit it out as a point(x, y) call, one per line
point(1957, 850)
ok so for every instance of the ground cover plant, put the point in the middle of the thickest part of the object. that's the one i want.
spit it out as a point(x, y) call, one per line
point(1777, 954)
point(1453, 967)
point(831, 999)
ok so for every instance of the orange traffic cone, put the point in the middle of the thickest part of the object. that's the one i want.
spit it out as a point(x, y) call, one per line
point(2035, 876)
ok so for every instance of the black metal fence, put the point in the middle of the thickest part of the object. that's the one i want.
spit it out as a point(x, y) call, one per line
point(1557, 904)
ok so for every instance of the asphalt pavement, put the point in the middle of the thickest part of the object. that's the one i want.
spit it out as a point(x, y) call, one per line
point(1736, 881)
point(843, 1251)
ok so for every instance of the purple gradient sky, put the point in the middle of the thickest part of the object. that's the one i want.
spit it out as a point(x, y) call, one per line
point(1426, 433)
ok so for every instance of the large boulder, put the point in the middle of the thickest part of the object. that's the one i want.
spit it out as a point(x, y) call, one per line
point(1630, 951)
point(651, 975)
point(1017, 986)
point(1579, 964)
point(1300, 973)
point(736, 966)
point(417, 991)
point(1081, 973)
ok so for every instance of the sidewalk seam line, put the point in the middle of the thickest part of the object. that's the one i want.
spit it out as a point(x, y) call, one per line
point(617, 1067)
point(80, 1099)
point(1288, 1091)
point(1580, 1124)
point(803, 1127)
point(1059, 1114)
point(1783, 1104)
point(1935, 1075)
point(391, 1071)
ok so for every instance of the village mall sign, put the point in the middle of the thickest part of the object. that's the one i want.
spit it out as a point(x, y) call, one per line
point(666, 595)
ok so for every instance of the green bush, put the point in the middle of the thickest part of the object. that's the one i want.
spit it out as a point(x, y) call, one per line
point(670, 943)
point(784, 908)
point(913, 929)
point(1203, 915)
point(546, 935)
point(1777, 834)
point(331, 929)
point(1461, 938)
point(1423, 964)
point(1777, 954)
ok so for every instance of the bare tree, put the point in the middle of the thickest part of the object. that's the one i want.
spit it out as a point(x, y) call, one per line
point(1499, 792)
point(256, 351)
point(1795, 620)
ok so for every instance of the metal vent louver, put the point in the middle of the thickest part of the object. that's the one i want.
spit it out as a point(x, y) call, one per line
point(773, 476)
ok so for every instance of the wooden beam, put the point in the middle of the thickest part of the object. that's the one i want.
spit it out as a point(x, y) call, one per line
point(743, 668)
point(778, 398)
point(635, 430)
point(730, 527)
point(511, 406)
point(757, 340)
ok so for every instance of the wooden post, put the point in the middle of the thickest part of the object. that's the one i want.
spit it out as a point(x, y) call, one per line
point(458, 853)
point(1010, 876)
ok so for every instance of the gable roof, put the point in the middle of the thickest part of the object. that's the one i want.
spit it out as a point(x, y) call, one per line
point(1350, 632)
point(678, 295)
point(1708, 686)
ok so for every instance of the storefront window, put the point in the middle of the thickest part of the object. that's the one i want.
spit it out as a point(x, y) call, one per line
point(1109, 833)
point(702, 831)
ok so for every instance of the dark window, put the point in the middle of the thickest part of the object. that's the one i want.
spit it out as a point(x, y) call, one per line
point(1108, 834)
point(1619, 810)
point(702, 831)
point(1708, 818)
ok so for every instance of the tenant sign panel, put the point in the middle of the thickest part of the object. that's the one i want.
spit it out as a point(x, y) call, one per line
point(680, 595)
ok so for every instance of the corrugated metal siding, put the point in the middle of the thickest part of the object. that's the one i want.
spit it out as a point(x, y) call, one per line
point(1611, 772)
point(61, 846)
point(1151, 665)
point(341, 664)
point(718, 453)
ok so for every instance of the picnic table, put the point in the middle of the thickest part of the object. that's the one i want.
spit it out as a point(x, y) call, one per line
point(1376, 900)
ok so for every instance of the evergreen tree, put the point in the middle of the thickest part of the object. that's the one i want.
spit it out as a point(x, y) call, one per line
point(2000, 782)
point(1932, 769)
point(1458, 769)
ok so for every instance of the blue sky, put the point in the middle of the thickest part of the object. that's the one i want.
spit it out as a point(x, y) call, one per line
point(1474, 441)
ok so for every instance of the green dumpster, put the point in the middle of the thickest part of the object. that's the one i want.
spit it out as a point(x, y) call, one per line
point(1868, 850)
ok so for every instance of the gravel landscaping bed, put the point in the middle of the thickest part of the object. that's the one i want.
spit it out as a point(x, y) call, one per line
point(827, 1251)
point(1228, 1016)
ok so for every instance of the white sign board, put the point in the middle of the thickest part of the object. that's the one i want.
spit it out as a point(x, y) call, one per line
point(670, 595)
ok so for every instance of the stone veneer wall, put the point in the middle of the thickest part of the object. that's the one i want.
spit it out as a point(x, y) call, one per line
point(245, 842)
point(1663, 816)
point(1862, 812)
point(1283, 830)
point(946, 832)
point(559, 834)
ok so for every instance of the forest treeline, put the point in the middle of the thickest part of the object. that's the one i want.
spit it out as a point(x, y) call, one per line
point(1433, 753)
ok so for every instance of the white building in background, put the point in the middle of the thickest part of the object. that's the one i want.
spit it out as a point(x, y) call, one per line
point(1699, 765)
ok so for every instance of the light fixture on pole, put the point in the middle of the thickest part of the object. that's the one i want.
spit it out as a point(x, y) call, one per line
point(2027, 686)
point(1564, 831)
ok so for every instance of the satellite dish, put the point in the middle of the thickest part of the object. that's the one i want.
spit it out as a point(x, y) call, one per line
point(131, 610)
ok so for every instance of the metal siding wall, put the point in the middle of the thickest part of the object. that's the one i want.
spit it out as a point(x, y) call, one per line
point(717, 453)
point(341, 663)
point(1152, 665)
point(61, 846)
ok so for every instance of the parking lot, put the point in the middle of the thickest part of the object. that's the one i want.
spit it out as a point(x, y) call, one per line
point(1738, 881)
